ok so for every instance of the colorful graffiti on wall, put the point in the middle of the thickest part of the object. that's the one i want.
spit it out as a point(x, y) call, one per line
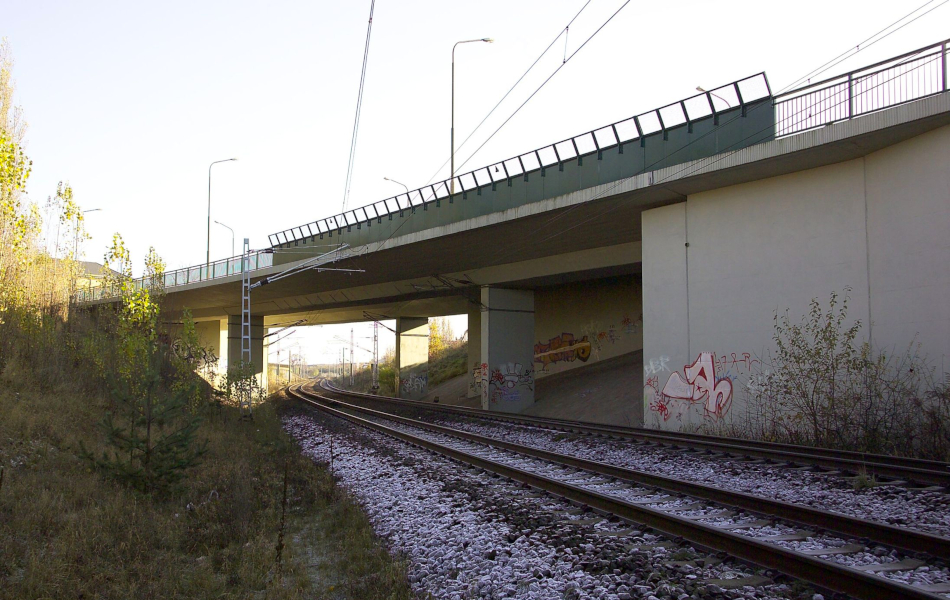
point(415, 384)
point(562, 348)
point(507, 383)
point(475, 385)
point(698, 385)
point(569, 347)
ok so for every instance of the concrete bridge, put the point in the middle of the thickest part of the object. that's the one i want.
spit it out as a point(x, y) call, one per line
point(679, 232)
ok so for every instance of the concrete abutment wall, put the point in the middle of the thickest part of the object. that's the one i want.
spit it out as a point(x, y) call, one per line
point(718, 267)
point(412, 357)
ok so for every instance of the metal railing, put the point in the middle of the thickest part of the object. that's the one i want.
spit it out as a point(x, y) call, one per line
point(733, 96)
point(910, 76)
point(220, 268)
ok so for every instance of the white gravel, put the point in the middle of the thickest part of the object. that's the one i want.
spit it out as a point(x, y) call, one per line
point(467, 534)
point(927, 511)
point(683, 506)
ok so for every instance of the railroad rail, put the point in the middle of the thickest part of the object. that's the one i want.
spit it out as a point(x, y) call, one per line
point(641, 493)
point(903, 469)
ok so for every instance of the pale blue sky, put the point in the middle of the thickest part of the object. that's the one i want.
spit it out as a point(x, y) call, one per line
point(131, 101)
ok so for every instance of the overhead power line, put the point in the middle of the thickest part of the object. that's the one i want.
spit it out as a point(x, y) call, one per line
point(863, 45)
point(359, 105)
point(512, 88)
point(573, 54)
point(545, 82)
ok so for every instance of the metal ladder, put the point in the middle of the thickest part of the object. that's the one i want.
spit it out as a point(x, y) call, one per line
point(245, 399)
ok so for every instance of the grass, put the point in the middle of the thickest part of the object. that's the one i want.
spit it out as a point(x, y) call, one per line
point(447, 364)
point(67, 531)
point(450, 363)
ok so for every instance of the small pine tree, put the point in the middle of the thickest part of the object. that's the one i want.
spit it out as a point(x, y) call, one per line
point(151, 435)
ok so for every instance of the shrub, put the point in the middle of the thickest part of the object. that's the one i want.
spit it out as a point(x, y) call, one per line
point(822, 387)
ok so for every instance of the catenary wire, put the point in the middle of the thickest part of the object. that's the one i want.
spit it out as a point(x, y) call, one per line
point(620, 182)
point(359, 106)
point(852, 51)
point(523, 75)
point(543, 83)
point(579, 48)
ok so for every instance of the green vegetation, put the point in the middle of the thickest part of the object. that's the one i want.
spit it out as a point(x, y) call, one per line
point(452, 362)
point(448, 358)
point(822, 387)
point(121, 474)
point(66, 531)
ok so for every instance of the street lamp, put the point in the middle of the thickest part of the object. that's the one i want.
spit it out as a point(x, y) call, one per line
point(208, 253)
point(232, 235)
point(452, 178)
point(394, 181)
point(699, 88)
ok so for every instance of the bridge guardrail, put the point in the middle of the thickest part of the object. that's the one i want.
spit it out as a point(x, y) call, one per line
point(897, 80)
point(737, 94)
point(217, 269)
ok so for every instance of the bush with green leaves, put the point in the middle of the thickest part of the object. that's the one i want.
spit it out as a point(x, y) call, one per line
point(823, 386)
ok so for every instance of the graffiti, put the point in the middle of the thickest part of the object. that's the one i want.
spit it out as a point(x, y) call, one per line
point(629, 326)
point(698, 385)
point(740, 362)
point(610, 335)
point(508, 382)
point(475, 385)
point(415, 383)
point(656, 365)
point(562, 348)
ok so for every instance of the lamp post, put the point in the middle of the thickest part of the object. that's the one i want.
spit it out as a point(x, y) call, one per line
point(232, 235)
point(699, 88)
point(394, 181)
point(452, 159)
point(208, 247)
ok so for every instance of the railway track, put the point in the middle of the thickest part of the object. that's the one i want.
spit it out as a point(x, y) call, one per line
point(703, 515)
point(913, 472)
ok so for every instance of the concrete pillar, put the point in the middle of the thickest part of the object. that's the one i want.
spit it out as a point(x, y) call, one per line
point(213, 335)
point(475, 350)
point(412, 357)
point(507, 349)
point(257, 342)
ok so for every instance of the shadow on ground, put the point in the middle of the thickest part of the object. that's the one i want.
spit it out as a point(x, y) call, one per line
point(609, 391)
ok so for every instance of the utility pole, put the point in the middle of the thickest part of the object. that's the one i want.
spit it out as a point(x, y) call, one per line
point(351, 356)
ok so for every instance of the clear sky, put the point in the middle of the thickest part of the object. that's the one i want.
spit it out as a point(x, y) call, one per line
point(130, 101)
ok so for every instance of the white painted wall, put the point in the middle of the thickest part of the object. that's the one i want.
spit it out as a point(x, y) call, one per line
point(877, 225)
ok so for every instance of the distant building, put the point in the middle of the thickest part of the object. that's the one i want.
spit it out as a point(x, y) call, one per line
point(93, 274)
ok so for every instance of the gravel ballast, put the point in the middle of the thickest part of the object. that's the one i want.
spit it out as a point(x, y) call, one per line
point(468, 534)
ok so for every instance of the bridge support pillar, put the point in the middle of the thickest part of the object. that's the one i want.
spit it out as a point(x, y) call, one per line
point(507, 349)
point(475, 350)
point(412, 357)
point(258, 360)
point(213, 335)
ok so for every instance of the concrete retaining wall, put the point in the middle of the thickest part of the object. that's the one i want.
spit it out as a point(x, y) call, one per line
point(718, 267)
point(583, 323)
